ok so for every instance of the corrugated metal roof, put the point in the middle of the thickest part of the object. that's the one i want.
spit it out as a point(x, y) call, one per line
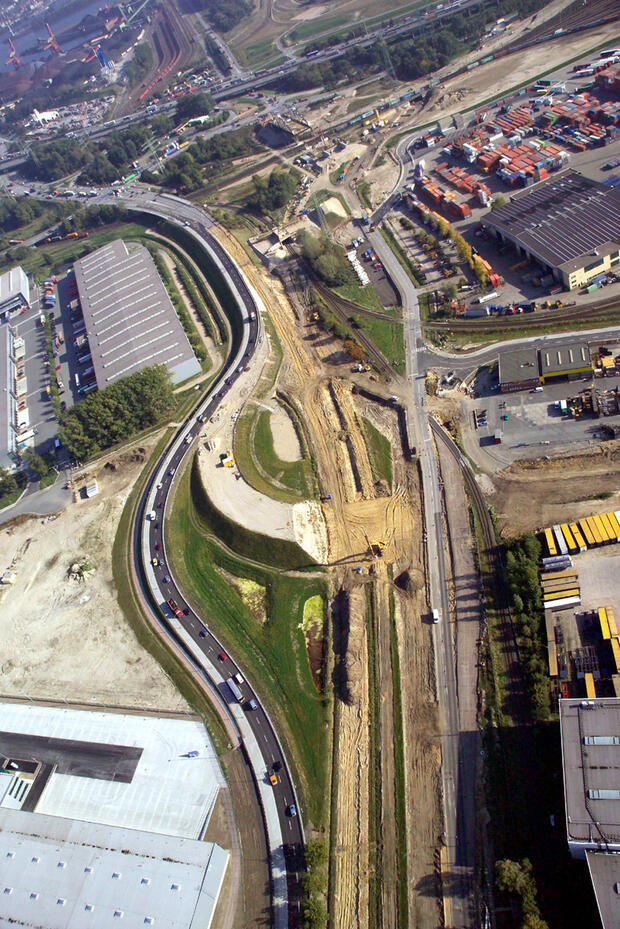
point(562, 220)
point(129, 318)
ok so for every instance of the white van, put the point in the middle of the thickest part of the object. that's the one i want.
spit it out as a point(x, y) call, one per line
point(151, 515)
point(435, 616)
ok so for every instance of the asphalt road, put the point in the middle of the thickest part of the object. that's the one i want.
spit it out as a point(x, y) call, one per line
point(167, 589)
point(459, 833)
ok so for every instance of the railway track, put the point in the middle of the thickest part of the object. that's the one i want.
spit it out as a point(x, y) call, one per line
point(541, 320)
point(506, 631)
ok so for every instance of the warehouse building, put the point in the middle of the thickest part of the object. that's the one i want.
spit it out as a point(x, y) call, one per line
point(570, 361)
point(590, 738)
point(570, 225)
point(102, 819)
point(130, 321)
point(518, 370)
point(14, 292)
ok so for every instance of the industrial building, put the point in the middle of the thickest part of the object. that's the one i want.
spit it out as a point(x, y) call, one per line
point(570, 361)
point(14, 428)
point(570, 225)
point(102, 819)
point(519, 370)
point(14, 292)
point(129, 319)
point(527, 368)
point(590, 737)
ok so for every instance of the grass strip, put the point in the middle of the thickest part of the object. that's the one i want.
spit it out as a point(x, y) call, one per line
point(363, 192)
point(181, 310)
point(399, 773)
point(375, 817)
point(273, 653)
point(379, 452)
point(160, 650)
point(401, 255)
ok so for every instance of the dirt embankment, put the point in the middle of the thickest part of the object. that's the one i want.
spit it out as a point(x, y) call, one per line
point(530, 495)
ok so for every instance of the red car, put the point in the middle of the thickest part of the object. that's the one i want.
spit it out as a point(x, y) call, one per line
point(223, 656)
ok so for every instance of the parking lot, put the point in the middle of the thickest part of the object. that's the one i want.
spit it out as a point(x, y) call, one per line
point(530, 420)
point(41, 417)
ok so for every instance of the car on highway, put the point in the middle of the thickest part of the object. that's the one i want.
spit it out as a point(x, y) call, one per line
point(273, 779)
point(202, 634)
point(155, 562)
point(171, 472)
point(223, 656)
point(151, 515)
point(291, 810)
point(166, 578)
point(251, 704)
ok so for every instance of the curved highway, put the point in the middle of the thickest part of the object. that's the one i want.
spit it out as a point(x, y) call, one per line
point(189, 631)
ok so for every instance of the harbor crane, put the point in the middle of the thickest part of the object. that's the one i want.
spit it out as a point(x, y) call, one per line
point(13, 58)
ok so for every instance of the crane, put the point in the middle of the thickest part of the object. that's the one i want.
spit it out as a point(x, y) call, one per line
point(13, 56)
point(51, 40)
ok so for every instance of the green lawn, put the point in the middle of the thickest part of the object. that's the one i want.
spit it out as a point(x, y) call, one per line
point(389, 339)
point(273, 654)
point(316, 27)
point(365, 296)
point(379, 452)
point(296, 475)
point(363, 192)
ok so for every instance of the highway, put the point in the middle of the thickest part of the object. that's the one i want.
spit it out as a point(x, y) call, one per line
point(189, 630)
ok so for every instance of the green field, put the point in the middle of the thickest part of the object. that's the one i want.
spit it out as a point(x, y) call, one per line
point(316, 27)
point(379, 452)
point(389, 339)
point(274, 653)
point(365, 296)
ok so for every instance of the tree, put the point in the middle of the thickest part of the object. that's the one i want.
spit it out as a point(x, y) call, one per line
point(450, 290)
point(191, 105)
point(498, 202)
point(36, 463)
point(8, 483)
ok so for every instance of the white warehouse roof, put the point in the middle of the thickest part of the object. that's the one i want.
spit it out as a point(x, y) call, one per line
point(61, 874)
point(14, 289)
point(114, 769)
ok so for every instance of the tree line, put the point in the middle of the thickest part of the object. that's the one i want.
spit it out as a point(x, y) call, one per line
point(272, 193)
point(112, 415)
point(327, 259)
point(409, 57)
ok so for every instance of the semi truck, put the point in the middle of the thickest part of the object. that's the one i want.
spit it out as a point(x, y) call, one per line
point(235, 690)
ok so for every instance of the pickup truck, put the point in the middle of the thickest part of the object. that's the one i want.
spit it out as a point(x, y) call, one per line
point(175, 609)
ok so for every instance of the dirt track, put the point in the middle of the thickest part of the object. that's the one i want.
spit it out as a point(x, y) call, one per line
point(313, 372)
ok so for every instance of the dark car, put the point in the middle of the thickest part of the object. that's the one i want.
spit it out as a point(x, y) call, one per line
point(166, 578)
point(202, 634)
point(291, 810)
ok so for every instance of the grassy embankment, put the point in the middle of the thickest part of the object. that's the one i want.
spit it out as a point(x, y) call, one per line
point(253, 448)
point(202, 543)
point(122, 551)
point(379, 452)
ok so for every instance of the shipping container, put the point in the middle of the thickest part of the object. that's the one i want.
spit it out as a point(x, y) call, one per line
point(604, 622)
point(560, 540)
point(590, 541)
point(590, 688)
point(574, 528)
point(551, 546)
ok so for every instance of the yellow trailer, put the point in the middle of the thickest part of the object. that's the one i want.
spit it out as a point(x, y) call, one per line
point(561, 594)
point(590, 688)
point(615, 525)
point(574, 528)
point(558, 575)
point(611, 532)
point(568, 535)
point(602, 618)
point(598, 522)
point(553, 549)
point(615, 647)
point(611, 619)
point(596, 532)
point(587, 533)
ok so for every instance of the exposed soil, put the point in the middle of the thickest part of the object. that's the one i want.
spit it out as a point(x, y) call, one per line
point(318, 378)
point(285, 441)
point(64, 638)
point(530, 495)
